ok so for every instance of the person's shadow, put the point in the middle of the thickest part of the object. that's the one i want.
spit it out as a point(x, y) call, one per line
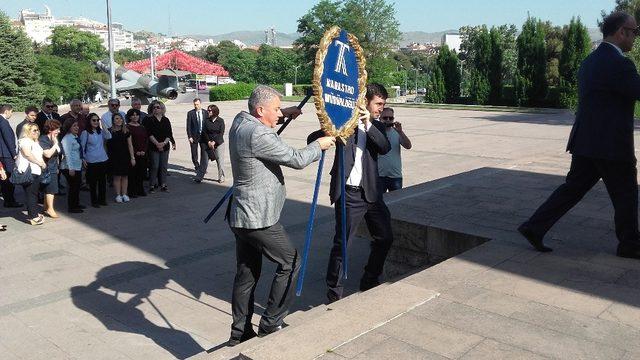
point(124, 316)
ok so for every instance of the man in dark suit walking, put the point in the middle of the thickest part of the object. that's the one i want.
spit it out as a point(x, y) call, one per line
point(601, 140)
point(363, 196)
point(195, 120)
point(7, 155)
point(46, 114)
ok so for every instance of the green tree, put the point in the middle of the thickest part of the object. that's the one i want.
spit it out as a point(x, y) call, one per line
point(449, 65)
point(479, 87)
point(383, 70)
point(19, 82)
point(576, 47)
point(127, 55)
point(240, 64)
point(274, 65)
point(553, 37)
point(476, 45)
point(532, 61)
point(71, 43)
point(373, 22)
point(496, 66)
point(436, 90)
point(65, 78)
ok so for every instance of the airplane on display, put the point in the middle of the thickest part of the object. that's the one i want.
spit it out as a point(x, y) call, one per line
point(129, 82)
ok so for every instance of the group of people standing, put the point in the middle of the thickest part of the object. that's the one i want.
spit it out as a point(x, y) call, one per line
point(83, 148)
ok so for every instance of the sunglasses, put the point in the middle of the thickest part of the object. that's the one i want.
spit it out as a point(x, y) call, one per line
point(388, 118)
point(114, 105)
point(49, 106)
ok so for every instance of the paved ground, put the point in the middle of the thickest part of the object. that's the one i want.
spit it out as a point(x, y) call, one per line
point(148, 279)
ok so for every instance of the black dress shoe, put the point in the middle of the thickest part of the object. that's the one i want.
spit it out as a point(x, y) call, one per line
point(368, 284)
point(534, 240)
point(264, 332)
point(95, 205)
point(246, 336)
point(14, 204)
point(75, 211)
point(81, 207)
point(629, 252)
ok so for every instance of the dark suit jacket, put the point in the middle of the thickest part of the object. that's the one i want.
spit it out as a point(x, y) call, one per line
point(42, 118)
point(7, 144)
point(608, 88)
point(213, 131)
point(377, 144)
point(192, 123)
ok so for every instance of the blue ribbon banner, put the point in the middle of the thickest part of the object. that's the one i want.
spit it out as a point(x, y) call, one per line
point(339, 81)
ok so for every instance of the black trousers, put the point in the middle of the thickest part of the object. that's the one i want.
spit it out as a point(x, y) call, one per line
point(136, 176)
point(31, 192)
point(194, 154)
point(7, 190)
point(274, 244)
point(378, 221)
point(73, 192)
point(97, 178)
point(620, 179)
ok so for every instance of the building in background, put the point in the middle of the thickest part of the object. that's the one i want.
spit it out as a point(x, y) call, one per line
point(39, 28)
point(453, 41)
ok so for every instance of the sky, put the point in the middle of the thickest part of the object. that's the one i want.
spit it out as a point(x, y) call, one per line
point(213, 17)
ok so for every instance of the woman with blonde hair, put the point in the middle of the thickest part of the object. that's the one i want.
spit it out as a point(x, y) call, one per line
point(51, 151)
point(30, 159)
point(121, 156)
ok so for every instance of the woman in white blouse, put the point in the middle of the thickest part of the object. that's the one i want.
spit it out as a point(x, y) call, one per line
point(31, 156)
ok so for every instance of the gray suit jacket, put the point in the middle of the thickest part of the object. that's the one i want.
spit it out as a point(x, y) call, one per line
point(256, 153)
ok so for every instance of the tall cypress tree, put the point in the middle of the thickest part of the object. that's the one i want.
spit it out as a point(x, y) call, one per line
point(449, 64)
point(496, 66)
point(532, 61)
point(19, 83)
point(576, 47)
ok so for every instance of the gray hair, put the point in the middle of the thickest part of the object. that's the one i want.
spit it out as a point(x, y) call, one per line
point(260, 96)
point(75, 101)
point(135, 100)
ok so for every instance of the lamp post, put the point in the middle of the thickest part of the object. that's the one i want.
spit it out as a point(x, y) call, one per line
point(416, 69)
point(295, 74)
point(112, 69)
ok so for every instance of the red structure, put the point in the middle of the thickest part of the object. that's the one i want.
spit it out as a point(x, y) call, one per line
point(178, 60)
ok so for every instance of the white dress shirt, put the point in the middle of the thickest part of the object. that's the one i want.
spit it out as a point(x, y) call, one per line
point(355, 177)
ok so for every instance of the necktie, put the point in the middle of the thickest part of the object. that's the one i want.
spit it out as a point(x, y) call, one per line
point(199, 121)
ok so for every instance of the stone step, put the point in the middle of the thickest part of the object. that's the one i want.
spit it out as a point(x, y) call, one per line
point(341, 322)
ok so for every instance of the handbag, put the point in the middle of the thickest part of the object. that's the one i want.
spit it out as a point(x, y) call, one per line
point(21, 178)
point(45, 178)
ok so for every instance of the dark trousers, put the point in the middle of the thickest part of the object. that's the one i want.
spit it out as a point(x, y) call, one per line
point(194, 153)
point(620, 179)
point(205, 152)
point(31, 193)
point(159, 163)
point(136, 176)
point(274, 244)
point(378, 221)
point(73, 191)
point(8, 190)
point(97, 178)
point(390, 183)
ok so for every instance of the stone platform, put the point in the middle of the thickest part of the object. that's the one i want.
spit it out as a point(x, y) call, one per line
point(149, 280)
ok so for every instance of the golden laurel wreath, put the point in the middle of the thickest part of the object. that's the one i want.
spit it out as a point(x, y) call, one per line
point(325, 122)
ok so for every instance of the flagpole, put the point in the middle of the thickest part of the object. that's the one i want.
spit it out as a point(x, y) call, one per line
point(112, 68)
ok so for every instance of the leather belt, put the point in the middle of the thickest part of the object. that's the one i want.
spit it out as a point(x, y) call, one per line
point(352, 188)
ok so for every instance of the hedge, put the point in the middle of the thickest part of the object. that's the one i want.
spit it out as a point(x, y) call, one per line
point(239, 91)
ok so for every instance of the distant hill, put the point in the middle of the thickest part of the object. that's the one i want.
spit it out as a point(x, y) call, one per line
point(249, 37)
point(283, 39)
point(424, 37)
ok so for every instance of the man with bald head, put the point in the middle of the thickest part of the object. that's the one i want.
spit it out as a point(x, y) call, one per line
point(75, 114)
point(601, 140)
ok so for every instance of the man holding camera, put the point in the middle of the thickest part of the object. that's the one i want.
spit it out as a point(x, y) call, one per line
point(390, 164)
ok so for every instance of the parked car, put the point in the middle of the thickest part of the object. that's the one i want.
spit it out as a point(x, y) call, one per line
point(422, 91)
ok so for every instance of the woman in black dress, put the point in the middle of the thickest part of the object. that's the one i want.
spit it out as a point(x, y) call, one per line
point(211, 140)
point(121, 156)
